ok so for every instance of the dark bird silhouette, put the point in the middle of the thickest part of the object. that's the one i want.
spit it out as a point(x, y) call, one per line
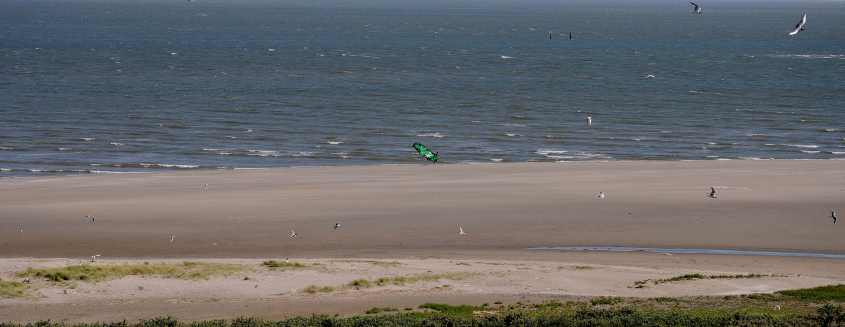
point(695, 8)
point(833, 215)
point(712, 192)
point(336, 226)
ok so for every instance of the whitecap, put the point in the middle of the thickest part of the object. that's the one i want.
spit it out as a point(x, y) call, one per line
point(837, 152)
point(87, 139)
point(810, 152)
point(334, 142)
point(496, 159)
point(806, 146)
point(436, 134)
point(116, 143)
point(512, 134)
point(263, 153)
point(64, 149)
point(506, 57)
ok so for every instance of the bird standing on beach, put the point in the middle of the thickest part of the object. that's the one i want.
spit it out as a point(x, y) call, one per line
point(461, 231)
point(601, 195)
point(172, 238)
point(90, 218)
point(833, 216)
point(293, 234)
point(336, 226)
point(712, 194)
point(205, 187)
point(94, 257)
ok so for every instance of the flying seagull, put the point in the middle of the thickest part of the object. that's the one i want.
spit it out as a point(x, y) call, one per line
point(461, 231)
point(293, 234)
point(800, 26)
point(695, 8)
point(336, 226)
point(601, 195)
point(833, 215)
point(712, 192)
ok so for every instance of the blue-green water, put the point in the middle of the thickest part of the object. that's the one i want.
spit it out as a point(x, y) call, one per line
point(89, 86)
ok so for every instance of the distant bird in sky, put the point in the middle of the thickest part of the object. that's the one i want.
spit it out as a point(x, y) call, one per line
point(695, 8)
point(293, 234)
point(601, 195)
point(336, 226)
point(461, 231)
point(833, 215)
point(800, 26)
point(712, 194)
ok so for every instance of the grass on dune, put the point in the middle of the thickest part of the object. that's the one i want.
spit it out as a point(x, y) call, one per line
point(96, 273)
point(387, 281)
point(695, 276)
point(824, 293)
point(10, 289)
point(273, 264)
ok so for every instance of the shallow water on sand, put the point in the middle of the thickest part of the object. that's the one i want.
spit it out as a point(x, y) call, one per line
point(690, 251)
point(140, 86)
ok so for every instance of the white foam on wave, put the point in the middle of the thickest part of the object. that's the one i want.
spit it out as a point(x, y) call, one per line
point(334, 142)
point(117, 143)
point(512, 134)
point(435, 134)
point(64, 149)
point(810, 151)
point(263, 153)
point(805, 146)
point(810, 56)
point(497, 159)
point(87, 139)
point(303, 154)
point(506, 57)
point(838, 153)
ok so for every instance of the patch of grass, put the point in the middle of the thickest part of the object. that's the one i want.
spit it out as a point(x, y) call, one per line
point(10, 289)
point(606, 300)
point(403, 280)
point(96, 273)
point(376, 310)
point(823, 293)
point(314, 289)
point(694, 276)
point(273, 264)
point(452, 310)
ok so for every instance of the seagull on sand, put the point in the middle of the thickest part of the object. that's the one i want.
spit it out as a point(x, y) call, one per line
point(205, 187)
point(461, 231)
point(336, 226)
point(712, 194)
point(172, 238)
point(833, 215)
point(800, 26)
point(293, 234)
point(601, 195)
point(90, 218)
point(94, 257)
point(695, 8)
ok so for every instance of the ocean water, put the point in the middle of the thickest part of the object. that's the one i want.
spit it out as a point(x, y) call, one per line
point(125, 86)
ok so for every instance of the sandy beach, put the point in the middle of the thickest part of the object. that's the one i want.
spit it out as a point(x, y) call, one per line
point(407, 215)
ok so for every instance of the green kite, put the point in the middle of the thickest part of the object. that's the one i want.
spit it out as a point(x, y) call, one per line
point(426, 153)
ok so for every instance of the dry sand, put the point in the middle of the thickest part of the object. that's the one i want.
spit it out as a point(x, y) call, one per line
point(408, 214)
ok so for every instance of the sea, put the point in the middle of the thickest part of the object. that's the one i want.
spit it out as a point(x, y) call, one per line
point(120, 86)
